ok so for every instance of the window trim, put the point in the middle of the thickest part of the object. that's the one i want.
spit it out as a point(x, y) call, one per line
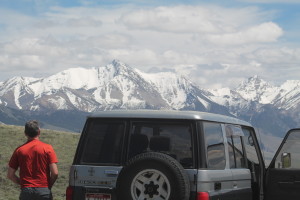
point(83, 142)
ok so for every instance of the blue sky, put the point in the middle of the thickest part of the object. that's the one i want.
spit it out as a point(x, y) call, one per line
point(214, 43)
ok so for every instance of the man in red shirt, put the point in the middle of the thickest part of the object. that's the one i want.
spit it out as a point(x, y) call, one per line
point(37, 163)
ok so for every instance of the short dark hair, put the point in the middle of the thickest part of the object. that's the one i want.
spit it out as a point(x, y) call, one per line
point(32, 128)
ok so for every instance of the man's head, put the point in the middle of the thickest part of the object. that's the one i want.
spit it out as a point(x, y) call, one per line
point(32, 128)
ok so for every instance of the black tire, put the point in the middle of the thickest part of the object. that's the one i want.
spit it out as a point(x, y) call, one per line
point(153, 175)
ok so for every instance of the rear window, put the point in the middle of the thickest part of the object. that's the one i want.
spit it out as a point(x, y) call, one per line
point(173, 139)
point(103, 142)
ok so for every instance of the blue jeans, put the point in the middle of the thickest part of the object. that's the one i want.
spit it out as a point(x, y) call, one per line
point(35, 193)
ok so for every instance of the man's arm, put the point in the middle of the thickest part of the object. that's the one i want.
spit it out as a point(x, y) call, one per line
point(53, 174)
point(11, 174)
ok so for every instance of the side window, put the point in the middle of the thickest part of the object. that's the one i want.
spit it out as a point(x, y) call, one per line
point(213, 136)
point(235, 146)
point(289, 155)
point(249, 146)
point(172, 139)
point(103, 142)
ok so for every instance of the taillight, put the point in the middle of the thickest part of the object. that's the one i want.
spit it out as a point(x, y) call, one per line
point(69, 193)
point(202, 196)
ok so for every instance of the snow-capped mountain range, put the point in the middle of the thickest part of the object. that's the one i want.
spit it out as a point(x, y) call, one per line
point(118, 86)
point(285, 97)
point(115, 86)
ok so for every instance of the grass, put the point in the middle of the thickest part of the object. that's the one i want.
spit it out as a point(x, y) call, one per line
point(64, 144)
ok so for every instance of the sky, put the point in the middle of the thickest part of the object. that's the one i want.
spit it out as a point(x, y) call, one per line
point(213, 43)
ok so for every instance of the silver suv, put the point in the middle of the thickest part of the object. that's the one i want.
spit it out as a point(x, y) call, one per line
point(179, 155)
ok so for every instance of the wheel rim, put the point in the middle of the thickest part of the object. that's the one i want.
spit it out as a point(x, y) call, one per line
point(150, 184)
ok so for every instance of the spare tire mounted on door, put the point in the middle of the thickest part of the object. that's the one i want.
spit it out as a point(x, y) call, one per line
point(153, 175)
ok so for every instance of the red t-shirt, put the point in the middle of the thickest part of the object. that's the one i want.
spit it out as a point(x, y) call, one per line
point(33, 158)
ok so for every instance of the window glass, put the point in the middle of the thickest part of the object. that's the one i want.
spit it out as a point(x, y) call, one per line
point(249, 146)
point(103, 142)
point(239, 152)
point(235, 146)
point(214, 145)
point(172, 139)
point(289, 155)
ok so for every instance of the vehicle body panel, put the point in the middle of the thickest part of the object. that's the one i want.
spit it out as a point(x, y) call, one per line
point(229, 183)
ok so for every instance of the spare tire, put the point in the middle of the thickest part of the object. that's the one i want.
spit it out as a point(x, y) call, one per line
point(153, 175)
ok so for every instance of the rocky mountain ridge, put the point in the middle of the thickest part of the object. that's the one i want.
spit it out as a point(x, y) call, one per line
point(119, 86)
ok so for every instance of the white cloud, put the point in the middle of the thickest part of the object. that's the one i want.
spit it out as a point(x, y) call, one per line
point(171, 19)
point(191, 19)
point(83, 22)
point(266, 32)
point(211, 45)
point(277, 56)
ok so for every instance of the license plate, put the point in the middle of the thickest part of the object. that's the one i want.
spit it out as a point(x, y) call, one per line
point(97, 196)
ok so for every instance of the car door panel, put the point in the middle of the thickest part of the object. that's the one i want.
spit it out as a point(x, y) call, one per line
point(283, 174)
point(242, 184)
point(219, 184)
point(283, 184)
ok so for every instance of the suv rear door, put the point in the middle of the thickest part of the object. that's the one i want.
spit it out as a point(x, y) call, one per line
point(283, 174)
point(98, 159)
point(175, 138)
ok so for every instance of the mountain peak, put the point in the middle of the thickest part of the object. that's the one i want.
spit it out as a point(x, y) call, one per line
point(117, 84)
point(255, 80)
point(117, 63)
point(257, 89)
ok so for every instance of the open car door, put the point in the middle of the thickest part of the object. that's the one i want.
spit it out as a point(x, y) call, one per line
point(283, 174)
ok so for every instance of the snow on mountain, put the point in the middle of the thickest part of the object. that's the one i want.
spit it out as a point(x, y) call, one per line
point(73, 78)
point(231, 99)
point(173, 88)
point(289, 97)
point(256, 89)
point(181, 94)
point(117, 85)
point(75, 91)
point(15, 91)
point(113, 86)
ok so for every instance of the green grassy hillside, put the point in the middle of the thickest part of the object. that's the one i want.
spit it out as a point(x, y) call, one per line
point(64, 144)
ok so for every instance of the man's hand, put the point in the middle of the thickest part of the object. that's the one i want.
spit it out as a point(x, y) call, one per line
point(53, 174)
point(11, 174)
